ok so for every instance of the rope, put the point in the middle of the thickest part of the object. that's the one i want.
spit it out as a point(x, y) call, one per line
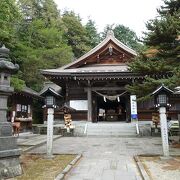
point(111, 98)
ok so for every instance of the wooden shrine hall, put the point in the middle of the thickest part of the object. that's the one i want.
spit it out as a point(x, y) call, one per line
point(95, 83)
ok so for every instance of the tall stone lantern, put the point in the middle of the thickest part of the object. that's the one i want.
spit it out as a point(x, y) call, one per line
point(161, 97)
point(9, 151)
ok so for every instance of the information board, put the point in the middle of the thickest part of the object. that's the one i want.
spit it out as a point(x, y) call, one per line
point(79, 104)
point(133, 106)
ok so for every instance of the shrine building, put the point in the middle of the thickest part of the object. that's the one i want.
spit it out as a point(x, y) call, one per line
point(95, 83)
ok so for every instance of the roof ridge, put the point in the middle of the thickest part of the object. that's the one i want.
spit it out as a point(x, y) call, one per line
point(110, 36)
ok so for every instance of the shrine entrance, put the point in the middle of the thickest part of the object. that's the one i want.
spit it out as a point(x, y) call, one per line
point(111, 106)
point(100, 77)
point(111, 110)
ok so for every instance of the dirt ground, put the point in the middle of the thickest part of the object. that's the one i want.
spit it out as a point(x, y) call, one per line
point(39, 168)
point(162, 169)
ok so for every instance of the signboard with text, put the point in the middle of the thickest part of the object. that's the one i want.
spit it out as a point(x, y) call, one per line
point(133, 107)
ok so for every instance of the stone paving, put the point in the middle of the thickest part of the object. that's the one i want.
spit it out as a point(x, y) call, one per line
point(107, 151)
point(106, 158)
point(27, 141)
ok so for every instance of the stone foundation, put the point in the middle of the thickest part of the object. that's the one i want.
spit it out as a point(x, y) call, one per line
point(10, 167)
point(57, 130)
point(9, 157)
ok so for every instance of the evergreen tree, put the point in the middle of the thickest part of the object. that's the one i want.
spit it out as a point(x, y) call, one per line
point(76, 34)
point(107, 28)
point(9, 16)
point(163, 55)
point(41, 44)
point(92, 33)
point(9, 19)
point(125, 35)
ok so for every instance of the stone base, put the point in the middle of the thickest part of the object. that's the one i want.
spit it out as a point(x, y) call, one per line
point(8, 143)
point(5, 129)
point(9, 157)
point(10, 167)
point(164, 158)
point(57, 130)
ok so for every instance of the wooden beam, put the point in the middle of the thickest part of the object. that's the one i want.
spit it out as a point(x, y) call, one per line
point(105, 88)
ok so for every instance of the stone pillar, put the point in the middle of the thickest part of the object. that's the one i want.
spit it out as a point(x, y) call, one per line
point(50, 118)
point(5, 127)
point(164, 131)
point(89, 97)
point(9, 151)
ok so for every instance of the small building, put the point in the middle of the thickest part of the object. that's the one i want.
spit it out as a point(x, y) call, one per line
point(21, 107)
point(96, 82)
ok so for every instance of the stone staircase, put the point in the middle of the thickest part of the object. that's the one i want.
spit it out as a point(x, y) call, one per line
point(112, 129)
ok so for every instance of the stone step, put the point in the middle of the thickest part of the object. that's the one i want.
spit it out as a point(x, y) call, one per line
point(111, 130)
point(112, 135)
point(125, 132)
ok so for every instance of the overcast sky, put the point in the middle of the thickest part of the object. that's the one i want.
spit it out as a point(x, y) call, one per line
point(131, 13)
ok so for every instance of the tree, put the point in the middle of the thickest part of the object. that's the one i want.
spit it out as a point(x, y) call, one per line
point(40, 40)
point(162, 56)
point(128, 37)
point(9, 16)
point(76, 34)
point(92, 33)
point(107, 28)
point(125, 35)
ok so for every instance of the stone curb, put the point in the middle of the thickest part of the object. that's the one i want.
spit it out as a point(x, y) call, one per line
point(143, 172)
point(38, 145)
point(68, 168)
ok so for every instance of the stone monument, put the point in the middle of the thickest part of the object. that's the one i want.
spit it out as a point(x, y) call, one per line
point(9, 151)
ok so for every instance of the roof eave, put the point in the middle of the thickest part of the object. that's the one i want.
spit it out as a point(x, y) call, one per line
point(109, 37)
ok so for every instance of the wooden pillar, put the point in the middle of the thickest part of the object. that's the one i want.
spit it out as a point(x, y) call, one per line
point(94, 108)
point(89, 97)
point(67, 100)
point(128, 109)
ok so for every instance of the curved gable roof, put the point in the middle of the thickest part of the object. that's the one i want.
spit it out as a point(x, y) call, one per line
point(110, 37)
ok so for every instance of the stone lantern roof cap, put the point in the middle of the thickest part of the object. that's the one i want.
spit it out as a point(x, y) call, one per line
point(162, 88)
point(5, 64)
point(4, 52)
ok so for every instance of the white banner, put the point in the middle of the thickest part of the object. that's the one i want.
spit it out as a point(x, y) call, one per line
point(133, 106)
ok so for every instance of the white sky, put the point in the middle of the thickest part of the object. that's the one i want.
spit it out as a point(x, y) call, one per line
point(131, 13)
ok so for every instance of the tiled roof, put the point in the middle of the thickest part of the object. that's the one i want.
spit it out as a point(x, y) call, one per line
point(29, 92)
point(110, 37)
point(94, 69)
point(52, 91)
point(52, 85)
point(91, 69)
point(162, 87)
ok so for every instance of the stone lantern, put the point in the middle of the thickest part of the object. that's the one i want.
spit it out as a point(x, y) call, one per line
point(50, 103)
point(9, 151)
point(161, 100)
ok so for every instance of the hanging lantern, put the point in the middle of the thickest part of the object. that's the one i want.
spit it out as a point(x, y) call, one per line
point(110, 50)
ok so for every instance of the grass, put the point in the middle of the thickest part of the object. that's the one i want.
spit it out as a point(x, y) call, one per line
point(37, 167)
